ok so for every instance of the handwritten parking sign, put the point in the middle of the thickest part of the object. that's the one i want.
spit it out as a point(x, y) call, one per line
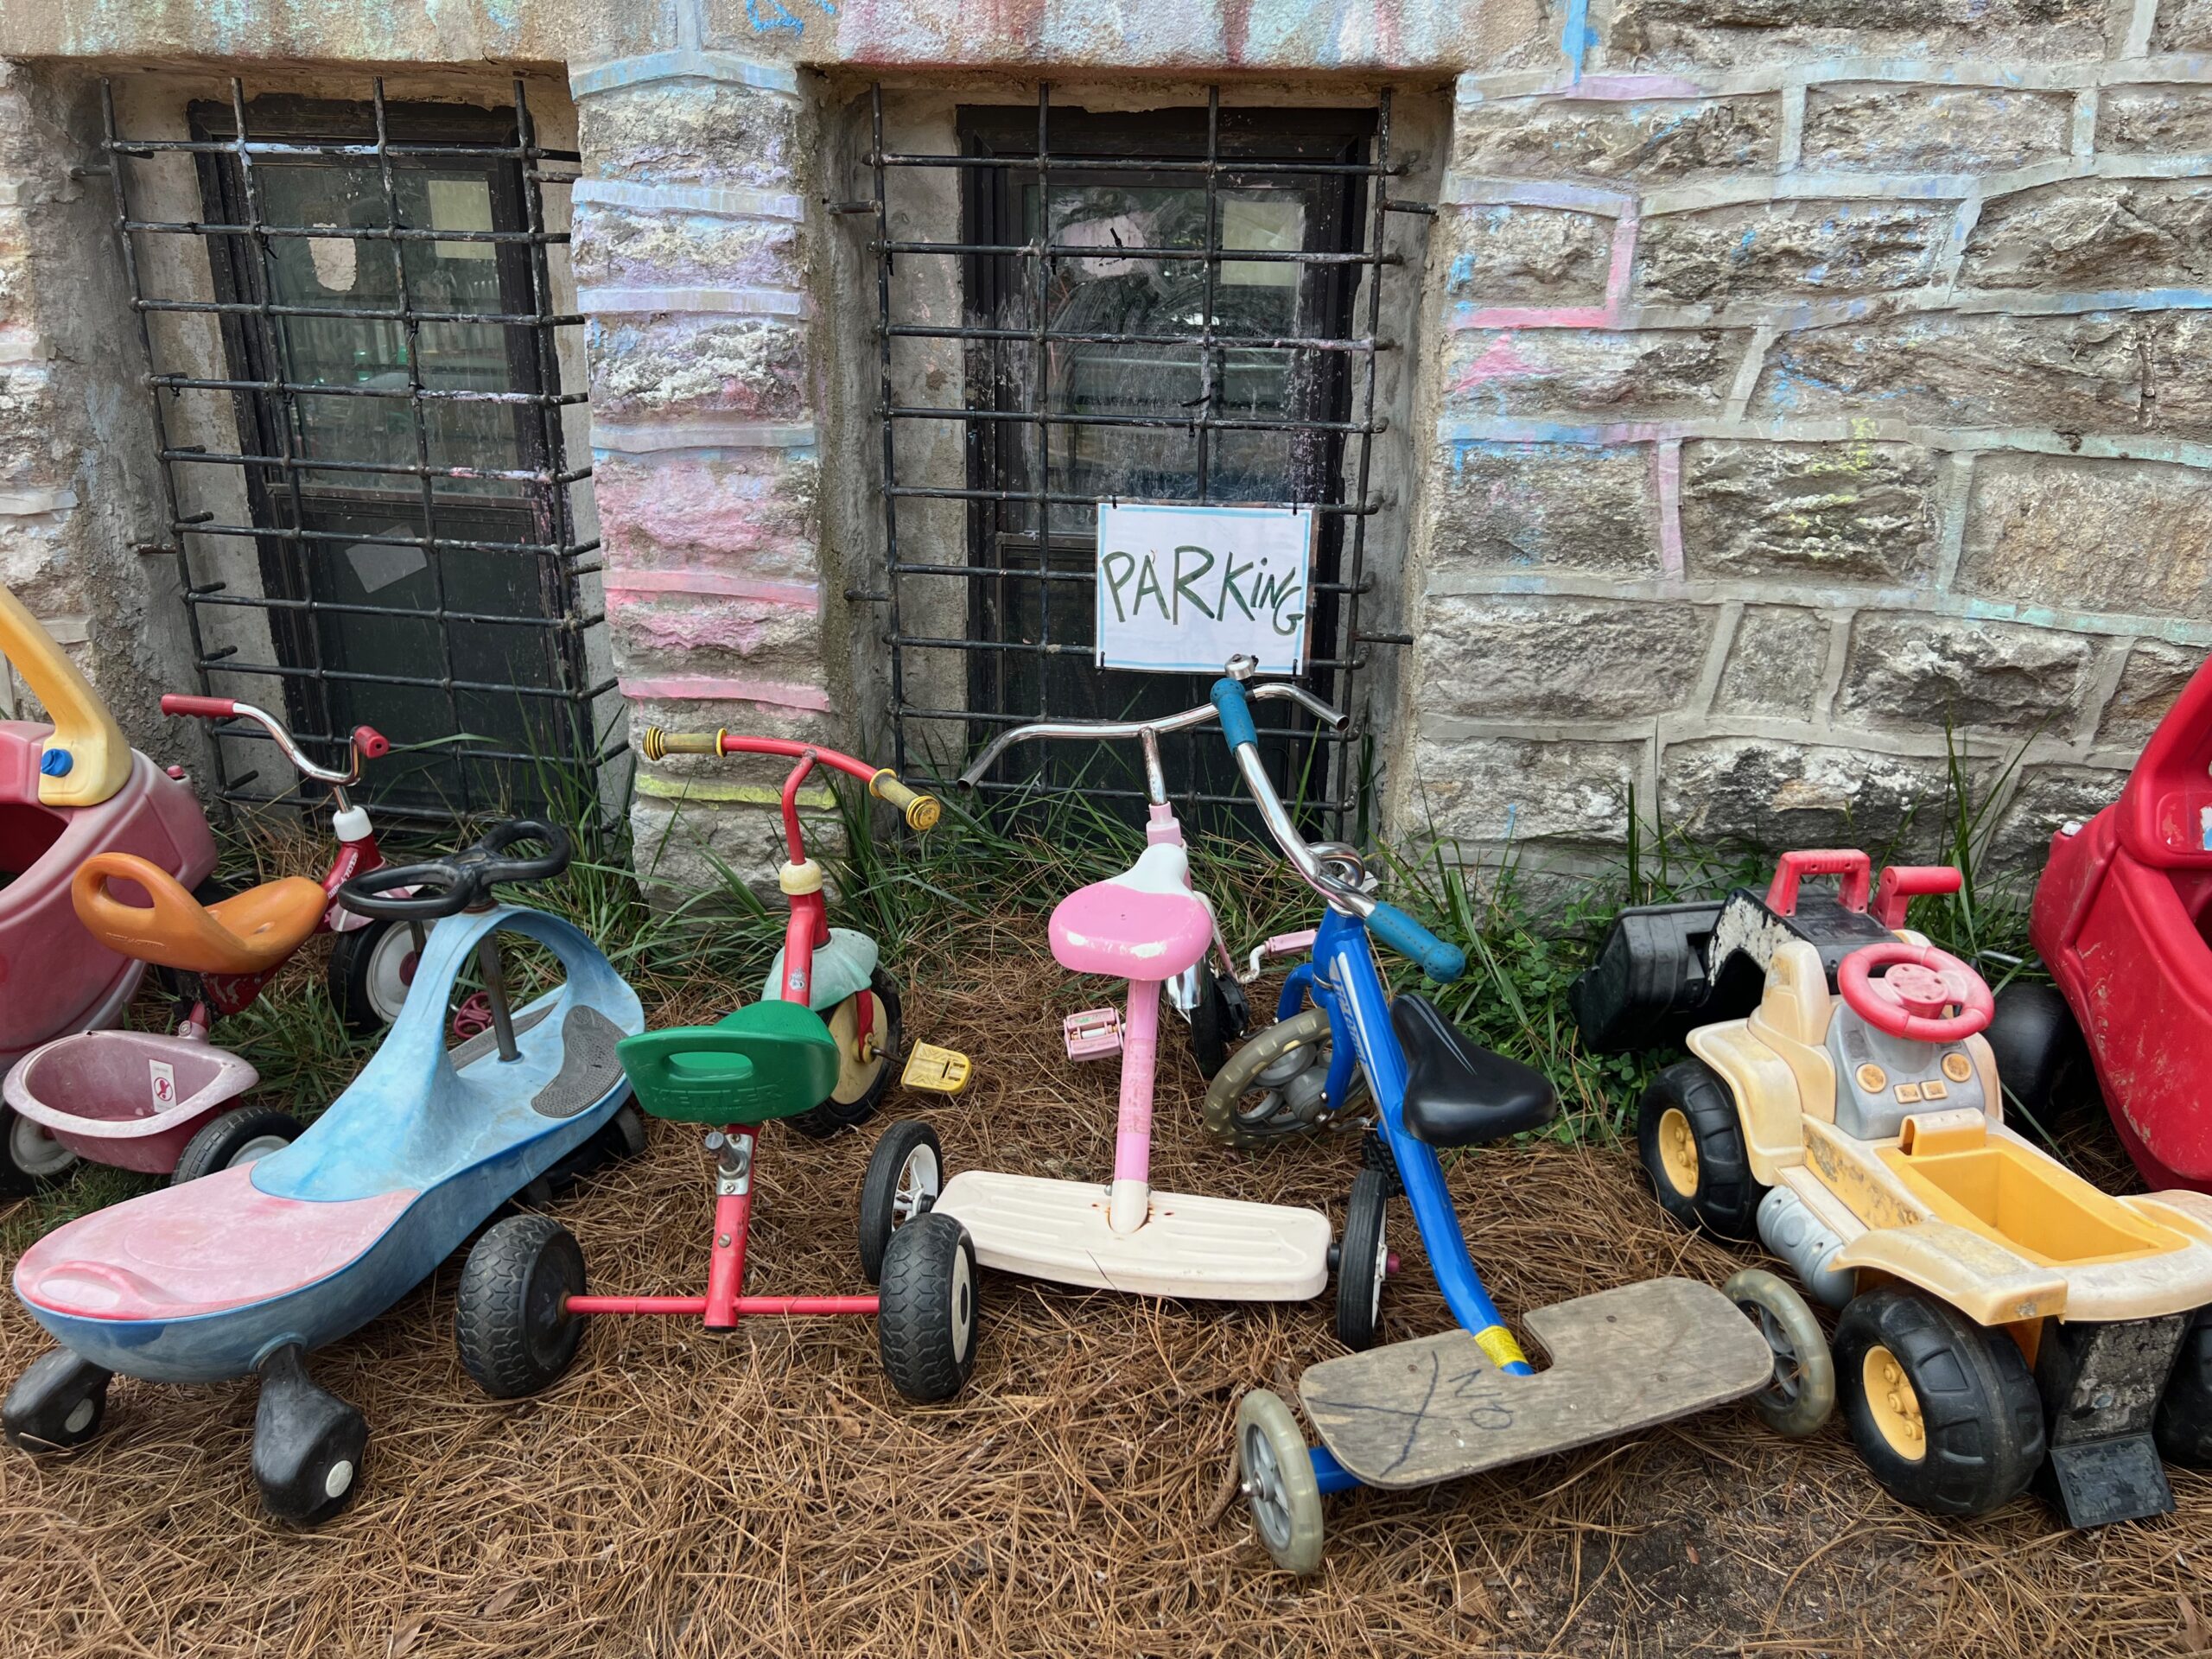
point(1183, 589)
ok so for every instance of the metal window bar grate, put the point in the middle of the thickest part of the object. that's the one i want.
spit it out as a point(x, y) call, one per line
point(1341, 497)
point(563, 753)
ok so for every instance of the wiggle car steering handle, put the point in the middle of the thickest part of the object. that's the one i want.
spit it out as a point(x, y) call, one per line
point(463, 880)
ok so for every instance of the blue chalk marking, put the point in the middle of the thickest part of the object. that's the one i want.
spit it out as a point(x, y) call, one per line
point(1575, 37)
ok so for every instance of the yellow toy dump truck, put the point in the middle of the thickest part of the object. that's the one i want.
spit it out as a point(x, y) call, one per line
point(2002, 1322)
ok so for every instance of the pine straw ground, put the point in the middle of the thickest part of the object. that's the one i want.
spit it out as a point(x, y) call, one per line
point(678, 1494)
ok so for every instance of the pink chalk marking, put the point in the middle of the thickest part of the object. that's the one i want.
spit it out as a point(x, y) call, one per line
point(700, 688)
point(798, 595)
point(1500, 362)
point(1619, 268)
point(1667, 476)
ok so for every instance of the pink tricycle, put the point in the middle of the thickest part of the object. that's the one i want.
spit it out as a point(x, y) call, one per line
point(163, 1104)
point(67, 790)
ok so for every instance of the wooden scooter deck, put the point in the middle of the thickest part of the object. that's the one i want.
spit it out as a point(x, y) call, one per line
point(1437, 1408)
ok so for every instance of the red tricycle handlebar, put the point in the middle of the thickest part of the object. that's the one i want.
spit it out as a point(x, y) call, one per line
point(921, 811)
point(173, 702)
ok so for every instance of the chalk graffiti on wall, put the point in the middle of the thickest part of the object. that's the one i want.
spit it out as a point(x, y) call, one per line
point(771, 16)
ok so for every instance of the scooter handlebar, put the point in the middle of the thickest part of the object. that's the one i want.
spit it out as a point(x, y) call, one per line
point(1440, 961)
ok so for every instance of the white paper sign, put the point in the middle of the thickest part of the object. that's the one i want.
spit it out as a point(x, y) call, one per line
point(1183, 589)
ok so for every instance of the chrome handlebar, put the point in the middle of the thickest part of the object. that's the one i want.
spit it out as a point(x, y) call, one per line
point(297, 756)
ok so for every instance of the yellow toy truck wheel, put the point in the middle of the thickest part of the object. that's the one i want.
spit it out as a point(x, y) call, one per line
point(1692, 1143)
point(1943, 1410)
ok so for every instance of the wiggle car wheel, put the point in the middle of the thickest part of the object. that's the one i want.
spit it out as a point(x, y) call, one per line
point(863, 1078)
point(57, 1403)
point(1802, 1395)
point(2183, 1425)
point(1943, 1410)
point(1692, 1144)
point(307, 1444)
point(1277, 1481)
point(926, 1326)
point(1362, 1262)
point(511, 1318)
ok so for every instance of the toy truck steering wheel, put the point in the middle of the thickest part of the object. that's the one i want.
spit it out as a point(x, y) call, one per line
point(446, 886)
point(1909, 999)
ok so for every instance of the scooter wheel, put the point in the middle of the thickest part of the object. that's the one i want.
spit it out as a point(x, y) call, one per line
point(1362, 1262)
point(1275, 1084)
point(234, 1138)
point(1802, 1395)
point(511, 1318)
point(1278, 1482)
point(56, 1404)
point(905, 1174)
point(926, 1326)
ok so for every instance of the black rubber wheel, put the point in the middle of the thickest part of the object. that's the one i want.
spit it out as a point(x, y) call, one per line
point(625, 1134)
point(905, 1174)
point(1361, 1262)
point(511, 1321)
point(1912, 1372)
point(57, 1403)
point(1692, 1143)
point(1221, 1015)
point(861, 1089)
point(232, 1138)
point(2183, 1425)
point(2043, 1061)
point(371, 969)
point(926, 1321)
point(307, 1444)
point(30, 1159)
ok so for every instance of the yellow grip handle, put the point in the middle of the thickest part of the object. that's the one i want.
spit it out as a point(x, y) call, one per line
point(922, 811)
point(658, 743)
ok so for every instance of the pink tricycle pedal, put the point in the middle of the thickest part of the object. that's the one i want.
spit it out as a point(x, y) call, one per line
point(1094, 1034)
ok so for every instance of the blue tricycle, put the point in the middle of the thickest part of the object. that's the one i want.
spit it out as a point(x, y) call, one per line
point(1437, 1408)
point(244, 1272)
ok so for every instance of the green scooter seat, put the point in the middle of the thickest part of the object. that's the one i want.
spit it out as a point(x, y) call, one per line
point(766, 1060)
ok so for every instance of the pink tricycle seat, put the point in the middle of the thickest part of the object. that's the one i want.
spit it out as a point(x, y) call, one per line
point(213, 1244)
point(1143, 923)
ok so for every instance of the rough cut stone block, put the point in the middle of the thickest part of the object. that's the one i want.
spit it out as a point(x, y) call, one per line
point(2099, 372)
point(2048, 796)
point(1776, 663)
point(626, 247)
point(2154, 676)
point(2102, 235)
point(1728, 32)
point(2131, 537)
point(1512, 255)
point(698, 633)
point(1934, 673)
point(1813, 247)
point(2182, 26)
point(1644, 376)
point(1665, 139)
point(1933, 130)
point(1548, 505)
point(707, 365)
point(1506, 658)
point(694, 132)
point(1836, 512)
point(33, 450)
point(748, 512)
point(2157, 119)
point(1774, 795)
point(1490, 790)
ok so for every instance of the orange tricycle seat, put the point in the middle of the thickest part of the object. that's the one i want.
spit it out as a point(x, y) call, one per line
point(249, 934)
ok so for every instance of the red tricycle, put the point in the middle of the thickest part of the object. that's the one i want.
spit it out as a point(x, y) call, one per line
point(2123, 919)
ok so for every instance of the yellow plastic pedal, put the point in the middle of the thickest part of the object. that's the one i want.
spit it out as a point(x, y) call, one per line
point(940, 1070)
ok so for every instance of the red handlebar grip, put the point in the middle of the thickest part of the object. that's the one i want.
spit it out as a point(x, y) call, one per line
point(1855, 868)
point(175, 702)
point(1902, 883)
point(373, 743)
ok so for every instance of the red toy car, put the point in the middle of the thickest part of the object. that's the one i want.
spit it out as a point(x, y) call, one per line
point(2123, 919)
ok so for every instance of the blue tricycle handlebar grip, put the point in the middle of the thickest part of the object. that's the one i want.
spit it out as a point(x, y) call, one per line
point(1235, 713)
point(1440, 961)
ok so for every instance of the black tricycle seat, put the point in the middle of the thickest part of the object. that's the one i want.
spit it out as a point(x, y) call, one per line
point(1458, 1093)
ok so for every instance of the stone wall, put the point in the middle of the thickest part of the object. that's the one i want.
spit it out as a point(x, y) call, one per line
point(1826, 384)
